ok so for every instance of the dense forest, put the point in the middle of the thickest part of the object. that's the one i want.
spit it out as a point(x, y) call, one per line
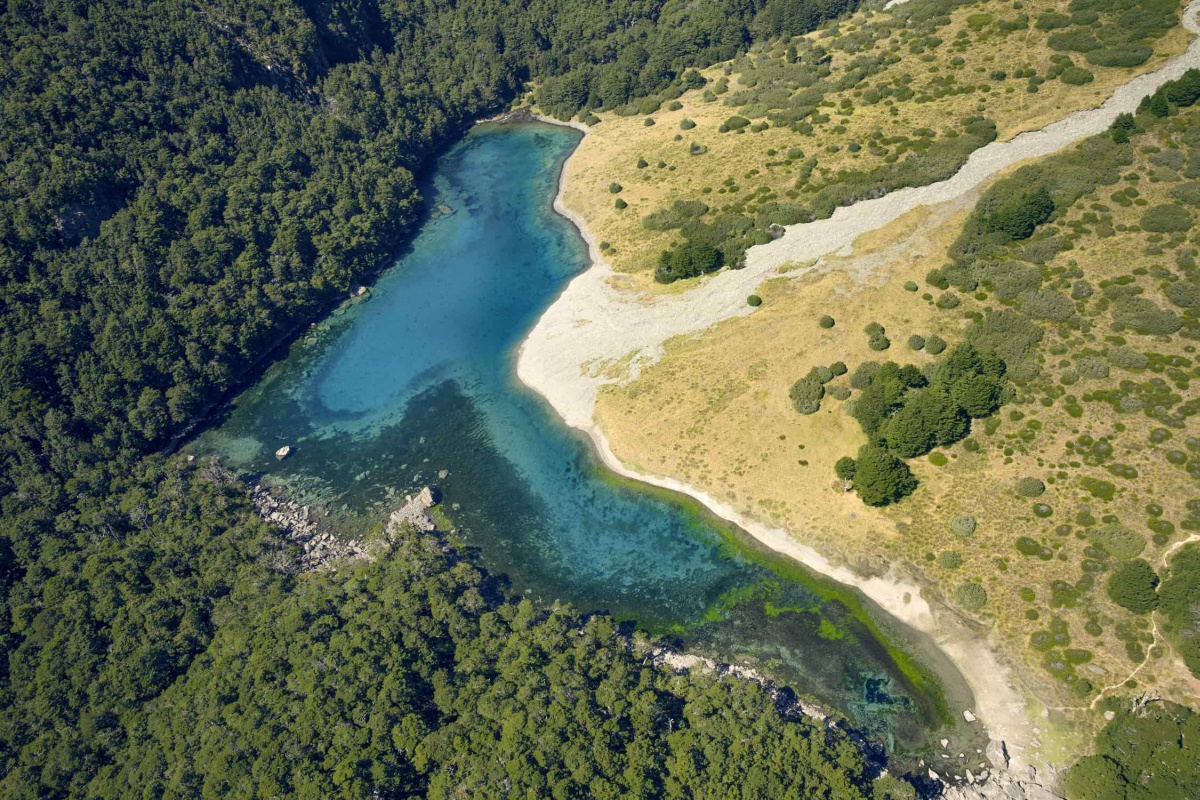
point(184, 185)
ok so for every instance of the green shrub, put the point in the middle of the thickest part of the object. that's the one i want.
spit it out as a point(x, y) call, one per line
point(963, 526)
point(1144, 316)
point(1132, 55)
point(978, 395)
point(1166, 218)
point(688, 260)
point(680, 213)
point(838, 368)
point(1076, 76)
point(929, 417)
point(935, 345)
point(826, 321)
point(734, 123)
point(674, 105)
point(615, 187)
point(879, 342)
point(620, 204)
point(1019, 218)
point(1125, 357)
point(692, 79)
point(686, 124)
point(1184, 294)
point(754, 300)
point(880, 478)
point(970, 596)
point(916, 342)
point(950, 559)
point(1030, 487)
point(1032, 548)
point(911, 286)
point(845, 468)
point(648, 121)
point(1098, 488)
point(1132, 586)
point(642, 163)
point(1050, 21)
point(1046, 304)
point(806, 394)
point(1118, 541)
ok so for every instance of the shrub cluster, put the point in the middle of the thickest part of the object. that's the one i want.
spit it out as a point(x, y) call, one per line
point(906, 413)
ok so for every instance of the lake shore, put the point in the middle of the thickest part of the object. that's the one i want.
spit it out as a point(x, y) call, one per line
point(998, 705)
point(592, 326)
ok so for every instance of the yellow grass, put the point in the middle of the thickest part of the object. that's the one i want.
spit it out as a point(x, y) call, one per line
point(611, 151)
point(715, 413)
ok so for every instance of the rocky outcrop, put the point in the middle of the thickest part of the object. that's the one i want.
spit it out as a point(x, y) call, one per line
point(788, 702)
point(1004, 781)
point(321, 547)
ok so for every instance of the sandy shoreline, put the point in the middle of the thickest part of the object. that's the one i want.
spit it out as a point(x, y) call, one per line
point(591, 325)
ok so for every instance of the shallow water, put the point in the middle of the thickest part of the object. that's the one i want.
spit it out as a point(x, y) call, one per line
point(416, 386)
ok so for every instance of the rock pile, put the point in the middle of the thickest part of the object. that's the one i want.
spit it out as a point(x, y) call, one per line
point(321, 547)
point(1005, 781)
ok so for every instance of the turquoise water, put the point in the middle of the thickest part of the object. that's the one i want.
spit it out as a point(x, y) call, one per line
point(416, 386)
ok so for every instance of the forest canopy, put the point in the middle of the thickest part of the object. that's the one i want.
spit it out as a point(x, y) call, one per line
point(185, 185)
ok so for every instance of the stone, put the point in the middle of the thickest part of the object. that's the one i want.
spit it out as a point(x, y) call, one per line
point(997, 754)
point(968, 716)
point(283, 452)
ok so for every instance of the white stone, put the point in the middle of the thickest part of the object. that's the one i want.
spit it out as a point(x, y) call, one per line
point(968, 716)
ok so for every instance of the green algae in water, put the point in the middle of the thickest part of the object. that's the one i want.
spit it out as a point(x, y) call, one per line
point(417, 387)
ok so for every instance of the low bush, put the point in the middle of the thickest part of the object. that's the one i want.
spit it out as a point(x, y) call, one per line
point(935, 345)
point(916, 342)
point(734, 123)
point(1144, 316)
point(963, 525)
point(686, 124)
point(1133, 55)
point(826, 321)
point(1076, 76)
point(1166, 218)
point(949, 559)
point(806, 394)
point(754, 300)
point(1184, 294)
point(615, 187)
point(1125, 357)
point(1030, 487)
point(971, 596)
point(1119, 541)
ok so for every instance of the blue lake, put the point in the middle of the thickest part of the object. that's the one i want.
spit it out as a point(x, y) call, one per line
point(416, 386)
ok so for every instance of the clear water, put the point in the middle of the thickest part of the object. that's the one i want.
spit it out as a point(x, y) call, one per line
point(416, 386)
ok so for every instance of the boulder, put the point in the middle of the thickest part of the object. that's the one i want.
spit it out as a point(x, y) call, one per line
point(997, 754)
